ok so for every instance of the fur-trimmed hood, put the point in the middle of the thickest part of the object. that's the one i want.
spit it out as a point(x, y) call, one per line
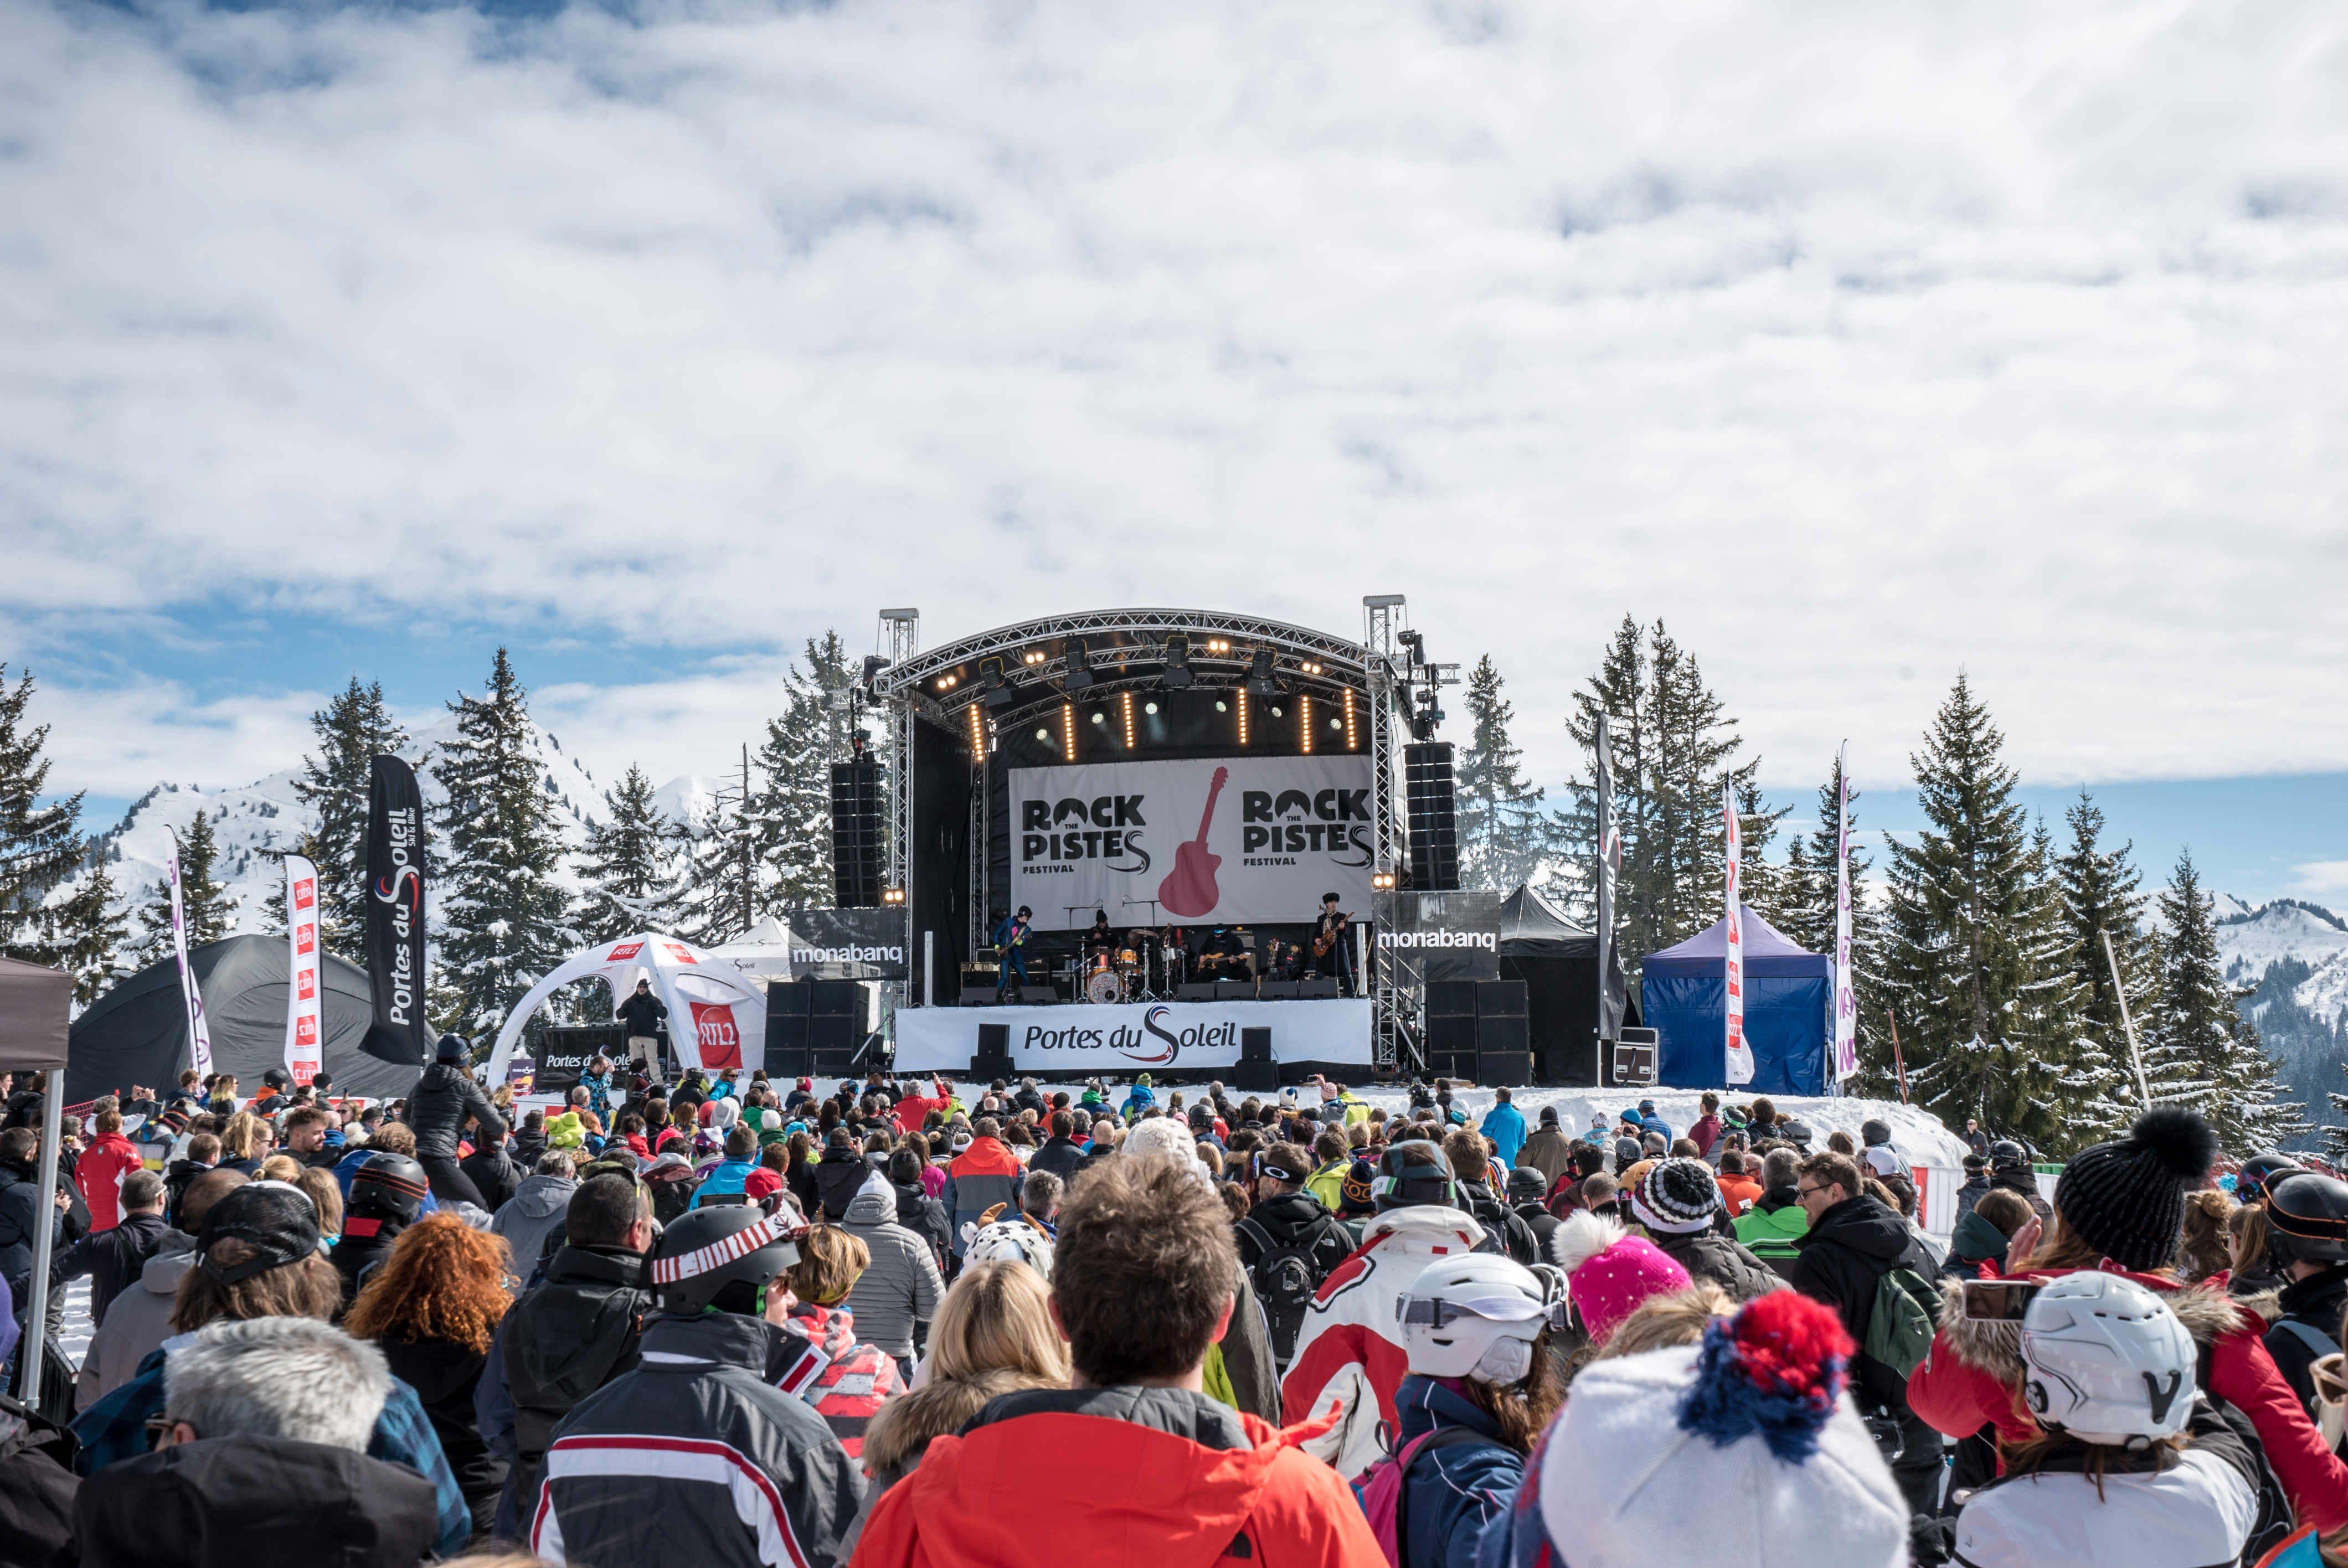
point(1995, 1348)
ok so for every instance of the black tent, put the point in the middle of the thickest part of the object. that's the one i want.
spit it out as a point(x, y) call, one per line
point(138, 1032)
point(1558, 961)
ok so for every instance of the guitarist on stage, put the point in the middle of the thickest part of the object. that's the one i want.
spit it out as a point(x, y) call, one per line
point(1011, 946)
point(1330, 955)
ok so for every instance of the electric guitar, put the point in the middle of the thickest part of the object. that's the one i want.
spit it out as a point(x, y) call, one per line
point(1189, 889)
point(1328, 939)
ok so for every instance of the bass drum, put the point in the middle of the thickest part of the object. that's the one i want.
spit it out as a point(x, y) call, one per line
point(1104, 986)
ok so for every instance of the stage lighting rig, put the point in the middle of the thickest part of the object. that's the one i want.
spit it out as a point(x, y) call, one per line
point(1079, 675)
point(1176, 673)
point(1260, 681)
point(1000, 692)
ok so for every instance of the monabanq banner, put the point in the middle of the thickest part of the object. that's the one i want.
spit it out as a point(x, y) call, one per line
point(395, 912)
point(1222, 840)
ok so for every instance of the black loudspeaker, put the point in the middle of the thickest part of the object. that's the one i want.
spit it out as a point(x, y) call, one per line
point(1256, 1073)
point(786, 1029)
point(1499, 998)
point(1234, 990)
point(1319, 986)
point(1506, 1035)
point(1194, 992)
point(994, 1057)
point(1458, 1066)
point(1255, 1045)
point(979, 995)
point(1450, 999)
point(1513, 1068)
point(1448, 1035)
point(835, 999)
point(1278, 990)
point(856, 835)
point(1036, 996)
point(1432, 800)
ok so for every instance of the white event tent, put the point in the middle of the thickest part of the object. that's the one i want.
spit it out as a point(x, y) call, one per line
point(716, 1012)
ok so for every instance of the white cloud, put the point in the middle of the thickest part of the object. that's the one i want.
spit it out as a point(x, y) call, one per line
point(2322, 877)
point(1853, 339)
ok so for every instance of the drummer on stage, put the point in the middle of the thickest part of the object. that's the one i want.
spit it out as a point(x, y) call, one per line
point(1338, 961)
point(1098, 939)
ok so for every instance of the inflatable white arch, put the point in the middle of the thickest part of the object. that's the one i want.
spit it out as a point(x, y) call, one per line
point(716, 1013)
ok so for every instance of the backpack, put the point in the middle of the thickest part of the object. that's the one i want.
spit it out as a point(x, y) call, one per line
point(1384, 1496)
point(1899, 1328)
point(1284, 1281)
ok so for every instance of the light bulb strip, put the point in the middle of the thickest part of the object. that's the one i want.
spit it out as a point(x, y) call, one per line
point(1068, 727)
point(1304, 714)
point(1128, 721)
point(1243, 715)
point(977, 735)
point(1352, 739)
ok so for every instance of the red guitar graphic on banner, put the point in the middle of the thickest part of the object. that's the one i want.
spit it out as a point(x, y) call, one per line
point(1189, 889)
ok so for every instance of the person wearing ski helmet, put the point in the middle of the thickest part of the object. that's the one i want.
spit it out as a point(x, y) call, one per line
point(2261, 1172)
point(2119, 1209)
point(1477, 1330)
point(2307, 1236)
point(386, 1193)
point(1349, 1355)
point(445, 1098)
point(2129, 1465)
point(2009, 1167)
point(708, 1452)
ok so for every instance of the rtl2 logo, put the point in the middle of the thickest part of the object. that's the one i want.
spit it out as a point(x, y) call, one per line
point(713, 1027)
point(306, 1034)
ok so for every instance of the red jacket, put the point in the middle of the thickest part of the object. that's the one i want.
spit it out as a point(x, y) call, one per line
point(1704, 1133)
point(1115, 1492)
point(99, 1172)
point(913, 1107)
point(1972, 1379)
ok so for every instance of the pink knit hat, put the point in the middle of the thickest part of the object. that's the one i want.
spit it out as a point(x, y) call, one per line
point(1609, 1273)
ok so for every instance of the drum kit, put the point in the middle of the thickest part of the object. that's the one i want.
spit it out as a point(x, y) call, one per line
point(1126, 974)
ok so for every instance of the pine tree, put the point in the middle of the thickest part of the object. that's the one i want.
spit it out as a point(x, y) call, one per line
point(1809, 901)
point(92, 935)
point(729, 883)
point(790, 810)
point(205, 903)
point(41, 847)
point(2206, 1054)
point(506, 919)
point(1501, 830)
point(2099, 891)
point(631, 864)
point(1974, 938)
point(1767, 890)
point(1673, 747)
point(335, 781)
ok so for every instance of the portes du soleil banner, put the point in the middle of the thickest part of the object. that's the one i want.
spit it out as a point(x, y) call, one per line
point(1216, 841)
point(395, 908)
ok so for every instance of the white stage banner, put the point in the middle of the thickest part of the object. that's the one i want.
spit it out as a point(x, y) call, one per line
point(304, 1033)
point(1221, 839)
point(1846, 1000)
point(1740, 1054)
point(1164, 1037)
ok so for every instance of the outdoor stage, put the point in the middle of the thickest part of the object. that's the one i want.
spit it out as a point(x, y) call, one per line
point(1178, 1040)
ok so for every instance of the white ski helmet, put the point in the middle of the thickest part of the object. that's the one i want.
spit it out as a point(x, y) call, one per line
point(2105, 1360)
point(1477, 1315)
point(1015, 1240)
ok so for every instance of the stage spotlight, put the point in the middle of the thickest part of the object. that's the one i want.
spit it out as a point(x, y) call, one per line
point(1000, 692)
point(1260, 681)
point(1382, 880)
point(1080, 666)
point(893, 896)
point(1045, 736)
point(1222, 706)
point(873, 664)
point(1177, 663)
point(1149, 708)
point(1099, 717)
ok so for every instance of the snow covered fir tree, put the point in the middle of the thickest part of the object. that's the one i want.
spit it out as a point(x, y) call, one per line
point(336, 782)
point(2200, 1051)
point(1501, 826)
point(634, 865)
point(206, 909)
point(47, 916)
point(506, 913)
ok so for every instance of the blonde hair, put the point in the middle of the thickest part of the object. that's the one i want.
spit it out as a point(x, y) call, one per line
point(327, 1195)
point(830, 1261)
point(280, 1168)
point(1676, 1318)
point(238, 1137)
point(995, 1317)
point(2201, 1245)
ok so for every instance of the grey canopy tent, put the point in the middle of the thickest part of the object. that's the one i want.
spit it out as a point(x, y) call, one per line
point(138, 1032)
point(35, 1003)
point(1558, 962)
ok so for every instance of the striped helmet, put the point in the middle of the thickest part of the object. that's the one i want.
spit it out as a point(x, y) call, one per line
point(707, 1249)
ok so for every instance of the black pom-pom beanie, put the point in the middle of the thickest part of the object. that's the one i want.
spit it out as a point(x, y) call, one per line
point(2126, 1198)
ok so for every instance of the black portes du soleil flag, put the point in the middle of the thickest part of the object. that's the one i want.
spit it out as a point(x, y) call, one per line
point(395, 912)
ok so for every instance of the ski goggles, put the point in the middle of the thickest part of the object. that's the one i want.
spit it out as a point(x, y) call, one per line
point(1999, 1300)
point(1439, 1313)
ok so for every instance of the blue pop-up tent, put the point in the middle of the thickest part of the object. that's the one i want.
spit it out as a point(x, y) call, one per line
point(1787, 994)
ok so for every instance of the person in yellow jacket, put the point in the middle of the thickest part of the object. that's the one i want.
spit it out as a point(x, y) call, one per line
point(1327, 1182)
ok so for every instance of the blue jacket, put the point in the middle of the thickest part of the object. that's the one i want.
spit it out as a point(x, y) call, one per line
point(1505, 1126)
point(725, 1176)
point(1139, 1100)
point(1452, 1491)
point(1657, 1125)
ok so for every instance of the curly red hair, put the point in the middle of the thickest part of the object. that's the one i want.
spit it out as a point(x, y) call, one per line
point(444, 1281)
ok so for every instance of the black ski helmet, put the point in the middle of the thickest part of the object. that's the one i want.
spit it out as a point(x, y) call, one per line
point(388, 1187)
point(705, 1250)
point(2259, 1173)
point(2307, 1217)
point(2005, 1155)
point(1414, 1172)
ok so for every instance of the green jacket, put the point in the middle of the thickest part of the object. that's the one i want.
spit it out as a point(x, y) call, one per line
point(1769, 1235)
point(1328, 1184)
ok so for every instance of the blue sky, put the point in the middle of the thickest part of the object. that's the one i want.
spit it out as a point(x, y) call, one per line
point(1860, 344)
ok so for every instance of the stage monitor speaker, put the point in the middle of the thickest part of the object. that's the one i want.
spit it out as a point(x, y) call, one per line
point(1039, 996)
point(856, 835)
point(980, 996)
point(1235, 991)
point(1448, 1035)
point(1431, 797)
point(1278, 990)
point(1319, 986)
point(1499, 998)
point(1508, 1036)
point(1450, 999)
point(1513, 1068)
point(1194, 992)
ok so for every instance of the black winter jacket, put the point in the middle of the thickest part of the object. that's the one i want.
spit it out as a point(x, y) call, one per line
point(1061, 1156)
point(445, 1098)
point(1843, 1253)
point(226, 1502)
point(444, 1376)
point(112, 1259)
point(2317, 1302)
point(1726, 1263)
point(838, 1176)
point(565, 1340)
point(22, 1212)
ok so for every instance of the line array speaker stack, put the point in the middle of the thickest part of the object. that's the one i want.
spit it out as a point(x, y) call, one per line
point(1503, 1047)
point(786, 1029)
point(856, 835)
point(835, 1026)
point(1432, 801)
point(1451, 1028)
